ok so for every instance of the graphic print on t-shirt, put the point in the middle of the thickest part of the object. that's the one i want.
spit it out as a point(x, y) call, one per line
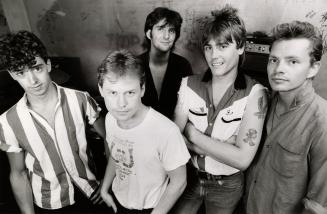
point(122, 154)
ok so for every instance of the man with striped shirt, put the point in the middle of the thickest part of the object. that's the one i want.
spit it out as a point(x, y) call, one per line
point(44, 133)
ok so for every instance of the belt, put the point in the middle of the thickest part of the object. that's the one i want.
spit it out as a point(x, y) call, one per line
point(211, 177)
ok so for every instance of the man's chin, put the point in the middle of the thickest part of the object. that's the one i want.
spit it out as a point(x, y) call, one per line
point(122, 118)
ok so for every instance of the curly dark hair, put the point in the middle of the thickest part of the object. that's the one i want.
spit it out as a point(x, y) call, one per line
point(298, 29)
point(18, 50)
point(171, 17)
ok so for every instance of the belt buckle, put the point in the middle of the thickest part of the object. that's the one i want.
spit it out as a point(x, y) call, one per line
point(212, 177)
point(218, 177)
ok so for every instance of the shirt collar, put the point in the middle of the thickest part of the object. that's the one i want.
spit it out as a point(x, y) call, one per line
point(240, 82)
point(23, 101)
point(305, 95)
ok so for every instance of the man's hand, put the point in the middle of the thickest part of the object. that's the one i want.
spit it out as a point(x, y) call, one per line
point(314, 207)
point(107, 198)
point(190, 131)
point(96, 197)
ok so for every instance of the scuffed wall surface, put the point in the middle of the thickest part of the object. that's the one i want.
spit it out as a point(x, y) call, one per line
point(4, 29)
point(90, 28)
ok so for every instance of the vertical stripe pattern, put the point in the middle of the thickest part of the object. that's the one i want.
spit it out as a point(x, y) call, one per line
point(55, 157)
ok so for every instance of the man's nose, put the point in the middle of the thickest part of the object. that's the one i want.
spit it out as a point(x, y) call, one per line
point(166, 33)
point(122, 102)
point(280, 66)
point(31, 77)
point(215, 52)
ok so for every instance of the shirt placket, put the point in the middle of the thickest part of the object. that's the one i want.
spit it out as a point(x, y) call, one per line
point(66, 162)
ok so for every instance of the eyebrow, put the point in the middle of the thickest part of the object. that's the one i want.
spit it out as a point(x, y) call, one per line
point(36, 65)
point(166, 25)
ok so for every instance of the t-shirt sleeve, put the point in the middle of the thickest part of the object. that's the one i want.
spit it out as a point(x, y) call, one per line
point(317, 187)
point(92, 109)
point(8, 141)
point(174, 152)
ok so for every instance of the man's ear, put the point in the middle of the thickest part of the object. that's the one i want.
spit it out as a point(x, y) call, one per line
point(240, 51)
point(142, 89)
point(314, 69)
point(100, 90)
point(49, 65)
point(148, 34)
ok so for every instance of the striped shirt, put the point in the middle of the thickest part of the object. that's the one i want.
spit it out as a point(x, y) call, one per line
point(54, 157)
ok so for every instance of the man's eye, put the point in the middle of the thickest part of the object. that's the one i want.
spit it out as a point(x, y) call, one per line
point(19, 73)
point(38, 68)
point(172, 30)
point(130, 93)
point(207, 48)
point(272, 61)
point(293, 62)
point(223, 46)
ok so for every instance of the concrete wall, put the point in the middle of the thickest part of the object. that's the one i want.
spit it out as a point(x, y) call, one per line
point(90, 28)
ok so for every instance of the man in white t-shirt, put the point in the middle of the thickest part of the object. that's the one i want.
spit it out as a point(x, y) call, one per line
point(146, 168)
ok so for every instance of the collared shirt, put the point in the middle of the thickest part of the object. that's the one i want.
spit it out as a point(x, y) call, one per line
point(55, 157)
point(292, 164)
point(178, 67)
point(220, 122)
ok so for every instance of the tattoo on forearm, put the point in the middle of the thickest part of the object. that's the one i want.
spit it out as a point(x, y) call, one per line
point(251, 135)
point(262, 106)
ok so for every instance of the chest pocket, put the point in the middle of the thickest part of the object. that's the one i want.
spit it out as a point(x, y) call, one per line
point(288, 156)
point(199, 117)
point(228, 120)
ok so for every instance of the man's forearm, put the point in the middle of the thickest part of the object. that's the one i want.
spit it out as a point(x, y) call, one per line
point(192, 147)
point(168, 199)
point(173, 191)
point(22, 192)
point(109, 176)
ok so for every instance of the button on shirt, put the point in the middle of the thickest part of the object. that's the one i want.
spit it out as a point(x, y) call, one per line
point(55, 158)
point(293, 162)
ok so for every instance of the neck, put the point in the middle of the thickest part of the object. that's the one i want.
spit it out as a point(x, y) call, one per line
point(42, 100)
point(136, 120)
point(224, 80)
point(286, 98)
point(158, 57)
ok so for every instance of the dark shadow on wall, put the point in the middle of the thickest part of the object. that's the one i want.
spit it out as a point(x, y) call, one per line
point(10, 93)
point(57, 32)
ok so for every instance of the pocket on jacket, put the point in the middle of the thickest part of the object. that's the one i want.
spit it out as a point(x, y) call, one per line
point(288, 156)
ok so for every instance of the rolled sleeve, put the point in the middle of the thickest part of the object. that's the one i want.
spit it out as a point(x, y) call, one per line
point(317, 187)
point(92, 109)
point(182, 102)
point(8, 141)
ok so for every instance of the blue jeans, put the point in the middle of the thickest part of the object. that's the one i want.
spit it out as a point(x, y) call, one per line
point(220, 195)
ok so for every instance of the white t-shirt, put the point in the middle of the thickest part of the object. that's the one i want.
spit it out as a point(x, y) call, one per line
point(143, 155)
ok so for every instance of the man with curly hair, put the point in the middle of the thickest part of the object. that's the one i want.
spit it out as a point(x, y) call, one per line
point(44, 133)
